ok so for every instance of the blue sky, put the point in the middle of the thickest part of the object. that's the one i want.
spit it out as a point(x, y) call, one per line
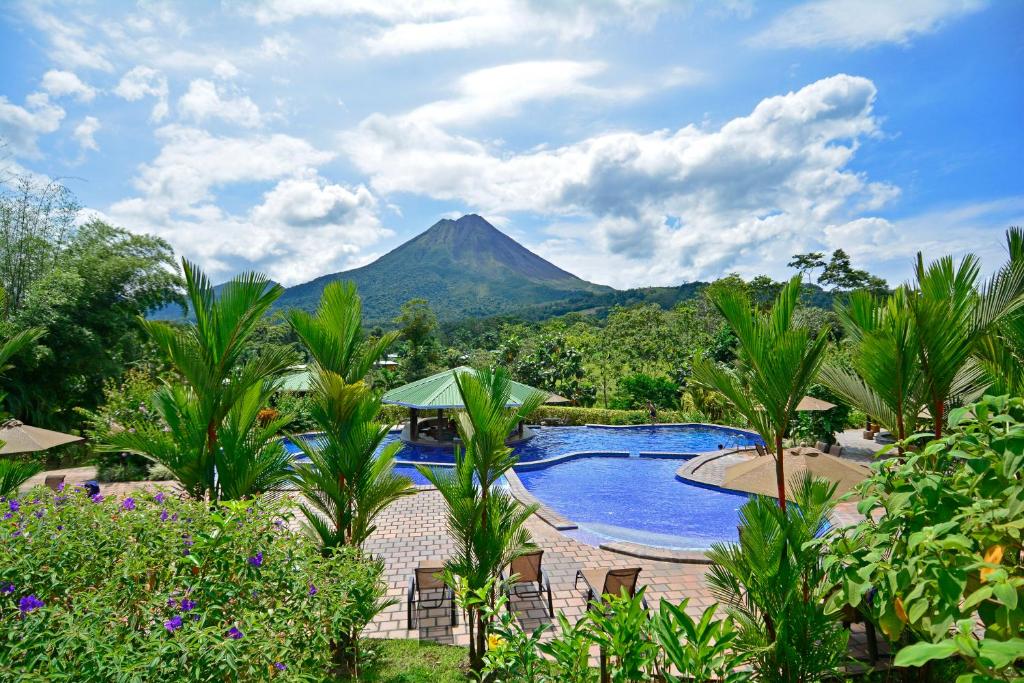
point(633, 142)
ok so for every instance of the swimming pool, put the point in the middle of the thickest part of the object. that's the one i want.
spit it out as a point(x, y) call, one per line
point(551, 442)
point(635, 499)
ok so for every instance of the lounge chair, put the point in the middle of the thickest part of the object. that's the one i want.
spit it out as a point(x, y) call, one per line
point(602, 582)
point(54, 481)
point(761, 450)
point(821, 446)
point(836, 450)
point(427, 577)
point(526, 571)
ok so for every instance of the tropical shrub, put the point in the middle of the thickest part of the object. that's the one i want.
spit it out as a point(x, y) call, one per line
point(634, 391)
point(941, 570)
point(774, 585)
point(572, 415)
point(821, 425)
point(125, 402)
point(155, 587)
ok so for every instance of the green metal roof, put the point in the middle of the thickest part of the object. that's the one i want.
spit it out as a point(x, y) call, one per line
point(440, 391)
point(299, 380)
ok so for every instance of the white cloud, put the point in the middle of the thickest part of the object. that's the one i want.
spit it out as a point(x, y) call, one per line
point(203, 100)
point(143, 81)
point(411, 26)
point(501, 90)
point(861, 23)
point(60, 83)
point(71, 45)
point(21, 126)
point(225, 70)
point(664, 206)
point(303, 227)
point(85, 133)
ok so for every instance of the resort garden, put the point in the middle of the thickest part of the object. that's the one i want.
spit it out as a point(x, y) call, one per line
point(251, 563)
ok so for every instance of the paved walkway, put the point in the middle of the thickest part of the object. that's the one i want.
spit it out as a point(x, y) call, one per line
point(413, 529)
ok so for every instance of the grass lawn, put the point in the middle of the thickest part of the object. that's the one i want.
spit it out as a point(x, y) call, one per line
point(412, 661)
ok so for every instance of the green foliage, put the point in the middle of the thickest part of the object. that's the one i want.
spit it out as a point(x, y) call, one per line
point(413, 661)
point(774, 585)
point(124, 403)
point(840, 274)
point(417, 324)
point(572, 415)
point(634, 392)
point(945, 555)
point(14, 473)
point(620, 627)
point(345, 485)
point(696, 650)
point(130, 570)
point(85, 287)
point(777, 364)
point(554, 364)
point(222, 386)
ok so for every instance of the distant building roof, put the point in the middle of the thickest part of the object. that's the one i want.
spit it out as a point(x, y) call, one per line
point(441, 392)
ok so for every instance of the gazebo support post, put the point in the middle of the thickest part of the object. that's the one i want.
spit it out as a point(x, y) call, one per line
point(520, 429)
point(414, 427)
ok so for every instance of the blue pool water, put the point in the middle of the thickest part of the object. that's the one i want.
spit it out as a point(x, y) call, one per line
point(635, 499)
point(554, 441)
point(630, 499)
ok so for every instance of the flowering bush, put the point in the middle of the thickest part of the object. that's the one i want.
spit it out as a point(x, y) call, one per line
point(152, 586)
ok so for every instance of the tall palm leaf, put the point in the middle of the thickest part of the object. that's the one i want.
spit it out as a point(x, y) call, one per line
point(1001, 351)
point(777, 363)
point(334, 335)
point(773, 584)
point(250, 457)
point(210, 354)
point(886, 380)
point(346, 484)
point(14, 473)
point(953, 318)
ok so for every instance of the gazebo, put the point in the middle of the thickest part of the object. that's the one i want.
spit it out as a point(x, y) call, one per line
point(440, 393)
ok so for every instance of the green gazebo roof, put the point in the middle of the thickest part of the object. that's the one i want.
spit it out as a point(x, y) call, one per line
point(298, 380)
point(440, 392)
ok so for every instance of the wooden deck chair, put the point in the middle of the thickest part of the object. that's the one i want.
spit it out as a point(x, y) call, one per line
point(54, 481)
point(427, 577)
point(607, 582)
point(526, 571)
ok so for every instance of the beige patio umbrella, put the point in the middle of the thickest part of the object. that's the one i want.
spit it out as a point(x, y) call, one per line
point(809, 403)
point(758, 474)
point(21, 438)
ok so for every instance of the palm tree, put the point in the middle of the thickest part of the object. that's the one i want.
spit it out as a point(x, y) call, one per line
point(885, 381)
point(777, 362)
point(953, 319)
point(1001, 353)
point(334, 335)
point(773, 583)
point(486, 524)
point(14, 473)
point(347, 483)
point(219, 375)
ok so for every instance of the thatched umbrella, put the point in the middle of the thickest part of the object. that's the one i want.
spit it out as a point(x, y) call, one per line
point(809, 404)
point(21, 438)
point(758, 475)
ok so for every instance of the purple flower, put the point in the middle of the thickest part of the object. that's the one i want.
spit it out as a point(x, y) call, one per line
point(38, 514)
point(187, 605)
point(174, 517)
point(29, 603)
point(173, 624)
point(170, 602)
point(8, 515)
point(16, 533)
point(60, 487)
point(279, 666)
point(235, 634)
point(163, 515)
point(312, 590)
point(159, 498)
point(128, 503)
point(256, 560)
point(97, 498)
point(14, 505)
point(8, 589)
point(60, 527)
point(195, 617)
